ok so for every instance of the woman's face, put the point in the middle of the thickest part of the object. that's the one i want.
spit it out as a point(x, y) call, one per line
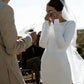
point(49, 9)
point(52, 12)
point(5, 1)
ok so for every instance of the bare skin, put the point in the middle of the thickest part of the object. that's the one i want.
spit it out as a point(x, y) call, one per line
point(53, 14)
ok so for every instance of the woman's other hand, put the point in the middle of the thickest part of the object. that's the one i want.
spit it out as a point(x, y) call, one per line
point(51, 16)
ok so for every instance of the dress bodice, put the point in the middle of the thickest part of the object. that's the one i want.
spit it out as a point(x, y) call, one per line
point(54, 64)
point(59, 34)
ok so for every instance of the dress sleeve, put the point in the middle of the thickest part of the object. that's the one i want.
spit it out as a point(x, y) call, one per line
point(44, 35)
point(63, 40)
point(9, 33)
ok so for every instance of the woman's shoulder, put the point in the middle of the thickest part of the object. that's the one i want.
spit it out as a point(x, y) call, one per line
point(70, 25)
point(71, 22)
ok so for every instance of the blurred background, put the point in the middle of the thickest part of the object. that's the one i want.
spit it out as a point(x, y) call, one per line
point(30, 14)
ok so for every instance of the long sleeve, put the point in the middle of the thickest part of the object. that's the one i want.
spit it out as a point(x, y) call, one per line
point(9, 34)
point(44, 35)
point(63, 40)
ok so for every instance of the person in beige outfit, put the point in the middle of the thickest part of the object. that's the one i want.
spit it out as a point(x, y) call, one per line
point(9, 46)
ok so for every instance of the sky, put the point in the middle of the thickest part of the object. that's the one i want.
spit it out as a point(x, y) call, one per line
point(30, 13)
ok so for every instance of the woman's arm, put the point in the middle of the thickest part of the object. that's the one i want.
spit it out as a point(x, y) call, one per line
point(64, 40)
point(44, 35)
point(9, 33)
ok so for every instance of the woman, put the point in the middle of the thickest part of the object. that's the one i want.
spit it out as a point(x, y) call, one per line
point(57, 33)
point(9, 46)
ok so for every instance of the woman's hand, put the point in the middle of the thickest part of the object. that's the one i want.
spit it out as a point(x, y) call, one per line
point(51, 16)
point(47, 17)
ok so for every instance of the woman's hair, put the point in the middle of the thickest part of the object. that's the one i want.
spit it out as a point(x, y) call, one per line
point(56, 4)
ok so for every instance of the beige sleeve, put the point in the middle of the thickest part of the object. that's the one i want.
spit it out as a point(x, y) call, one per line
point(9, 33)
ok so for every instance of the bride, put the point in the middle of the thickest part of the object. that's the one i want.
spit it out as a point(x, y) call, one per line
point(60, 62)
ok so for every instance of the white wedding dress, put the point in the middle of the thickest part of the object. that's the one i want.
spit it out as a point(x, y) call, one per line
point(55, 67)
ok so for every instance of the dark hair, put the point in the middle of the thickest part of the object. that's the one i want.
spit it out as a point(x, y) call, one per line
point(56, 4)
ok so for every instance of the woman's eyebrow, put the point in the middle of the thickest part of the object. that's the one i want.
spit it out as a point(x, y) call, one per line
point(49, 11)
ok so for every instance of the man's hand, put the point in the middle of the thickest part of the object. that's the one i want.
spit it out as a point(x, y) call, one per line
point(34, 37)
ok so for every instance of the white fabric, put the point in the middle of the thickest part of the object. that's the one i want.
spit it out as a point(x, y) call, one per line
point(77, 65)
point(76, 61)
point(55, 67)
point(67, 13)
